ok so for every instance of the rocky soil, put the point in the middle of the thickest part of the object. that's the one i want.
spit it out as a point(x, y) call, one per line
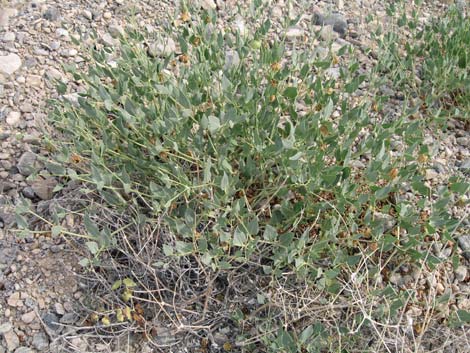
point(39, 293)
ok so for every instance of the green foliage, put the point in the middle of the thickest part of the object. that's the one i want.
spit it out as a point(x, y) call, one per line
point(263, 161)
point(432, 59)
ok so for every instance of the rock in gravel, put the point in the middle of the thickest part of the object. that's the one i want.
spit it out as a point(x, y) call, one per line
point(115, 31)
point(232, 59)
point(59, 308)
point(5, 327)
point(9, 63)
point(43, 188)
point(26, 107)
point(26, 163)
point(14, 300)
point(13, 118)
point(67, 53)
point(53, 74)
point(5, 14)
point(335, 20)
point(11, 339)
point(51, 14)
point(294, 32)
point(24, 350)
point(9, 37)
point(69, 319)
point(328, 34)
point(7, 215)
point(34, 80)
point(40, 342)
point(164, 47)
point(208, 4)
point(464, 243)
point(87, 14)
point(108, 40)
point(51, 320)
point(29, 317)
point(461, 273)
point(387, 220)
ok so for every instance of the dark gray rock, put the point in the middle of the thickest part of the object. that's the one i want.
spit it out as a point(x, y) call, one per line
point(69, 318)
point(26, 163)
point(464, 243)
point(28, 192)
point(6, 186)
point(51, 14)
point(336, 20)
point(51, 320)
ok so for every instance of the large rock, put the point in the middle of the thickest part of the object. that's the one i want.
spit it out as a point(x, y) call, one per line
point(335, 20)
point(9, 64)
point(27, 163)
point(43, 188)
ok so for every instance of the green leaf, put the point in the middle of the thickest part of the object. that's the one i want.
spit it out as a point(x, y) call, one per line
point(460, 187)
point(306, 334)
point(116, 285)
point(183, 248)
point(270, 233)
point(290, 92)
point(84, 262)
point(224, 183)
point(91, 227)
point(129, 283)
point(464, 316)
point(213, 123)
point(207, 171)
point(328, 109)
point(239, 237)
point(168, 250)
point(253, 226)
point(56, 230)
point(93, 247)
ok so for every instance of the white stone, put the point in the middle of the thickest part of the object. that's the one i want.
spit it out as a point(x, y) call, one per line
point(208, 4)
point(115, 31)
point(164, 47)
point(9, 37)
point(9, 63)
point(61, 32)
point(53, 74)
point(34, 80)
point(276, 12)
point(328, 34)
point(294, 32)
point(13, 118)
point(108, 40)
point(87, 14)
point(68, 53)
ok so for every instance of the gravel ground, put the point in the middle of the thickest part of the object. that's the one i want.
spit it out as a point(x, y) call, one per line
point(39, 293)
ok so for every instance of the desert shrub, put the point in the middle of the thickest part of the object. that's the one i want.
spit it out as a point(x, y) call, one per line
point(238, 182)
